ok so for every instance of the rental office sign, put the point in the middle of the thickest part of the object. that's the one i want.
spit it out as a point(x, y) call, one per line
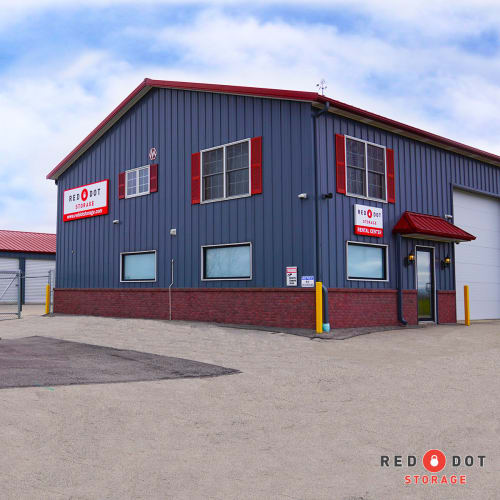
point(368, 221)
point(86, 201)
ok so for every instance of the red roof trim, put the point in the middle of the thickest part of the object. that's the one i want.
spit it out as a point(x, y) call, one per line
point(24, 241)
point(263, 92)
point(430, 225)
point(407, 128)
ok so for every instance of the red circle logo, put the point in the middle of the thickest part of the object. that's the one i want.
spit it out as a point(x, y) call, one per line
point(434, 460)
point(85, 194)
point(369, 213)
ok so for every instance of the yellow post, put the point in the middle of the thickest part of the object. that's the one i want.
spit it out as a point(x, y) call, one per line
point(466, 305)
point(319, 307)
point(47, 299)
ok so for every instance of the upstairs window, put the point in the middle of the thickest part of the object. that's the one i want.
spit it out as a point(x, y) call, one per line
point(225, 171)
point(366, 169)
point(137, 182)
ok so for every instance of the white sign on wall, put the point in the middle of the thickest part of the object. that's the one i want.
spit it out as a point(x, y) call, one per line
point(86, 201)
point(291, 276)
point(368, 221)
point(307, 281)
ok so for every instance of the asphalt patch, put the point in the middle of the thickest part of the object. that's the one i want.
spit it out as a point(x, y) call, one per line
point(45, 362)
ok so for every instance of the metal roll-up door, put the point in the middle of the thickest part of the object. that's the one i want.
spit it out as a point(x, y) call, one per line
point(8, 282)
point(477, 263)
point(36, 279)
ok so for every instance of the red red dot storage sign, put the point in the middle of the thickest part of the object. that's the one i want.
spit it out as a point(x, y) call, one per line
point(86, 201)
point(368, 221)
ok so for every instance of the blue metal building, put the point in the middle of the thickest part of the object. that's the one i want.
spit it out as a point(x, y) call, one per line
point(229, 196)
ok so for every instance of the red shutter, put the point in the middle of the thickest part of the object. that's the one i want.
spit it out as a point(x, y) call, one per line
point(121, 185)
point(195, 178)
point(153, 178)
point(391, 184)
point(340, 160)
point(256, 164)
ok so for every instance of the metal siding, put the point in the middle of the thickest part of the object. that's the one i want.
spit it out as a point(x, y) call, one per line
point(178, 123)
point(424, 177)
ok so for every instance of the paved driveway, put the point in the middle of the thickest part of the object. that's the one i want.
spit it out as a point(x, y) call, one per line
point(305, 419)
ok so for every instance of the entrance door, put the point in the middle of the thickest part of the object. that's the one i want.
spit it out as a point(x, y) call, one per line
point(425, 284)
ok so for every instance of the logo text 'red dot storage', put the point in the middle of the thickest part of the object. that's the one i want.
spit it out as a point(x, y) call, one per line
point(434, 461)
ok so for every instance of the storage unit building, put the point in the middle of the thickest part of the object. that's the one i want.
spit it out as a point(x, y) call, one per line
point(238, 199)
point(34, 254)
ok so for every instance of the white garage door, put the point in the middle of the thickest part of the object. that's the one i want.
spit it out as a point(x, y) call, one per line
point(478, 262)
point(37, 272)
point(8, 288)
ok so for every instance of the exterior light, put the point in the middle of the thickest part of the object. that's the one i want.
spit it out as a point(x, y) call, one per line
point(446, 261)
point(411, 258)
point(173, 232)
point(116, 221)
point(302, 196)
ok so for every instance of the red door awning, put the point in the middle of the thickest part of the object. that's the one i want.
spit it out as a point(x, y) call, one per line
point(430, 227)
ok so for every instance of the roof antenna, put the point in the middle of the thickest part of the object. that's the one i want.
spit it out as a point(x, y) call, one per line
point(322, 86)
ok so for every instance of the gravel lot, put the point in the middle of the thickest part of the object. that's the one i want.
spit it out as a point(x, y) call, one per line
point(305, 419)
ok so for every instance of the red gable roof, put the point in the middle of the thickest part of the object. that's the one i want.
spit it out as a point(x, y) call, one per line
point(430, 227)
point(294, 95)
point(21, 241)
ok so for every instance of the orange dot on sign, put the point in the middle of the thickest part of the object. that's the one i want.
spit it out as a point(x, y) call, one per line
point(369, 213)
point(85, 194)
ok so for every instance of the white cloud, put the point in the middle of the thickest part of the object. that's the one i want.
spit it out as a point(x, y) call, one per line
point(51, 106)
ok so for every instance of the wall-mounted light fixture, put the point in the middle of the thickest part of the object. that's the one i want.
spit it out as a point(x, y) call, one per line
point(327, 196)
point(446, 261)
point(173, 232)
point(302, 196)
point(116, 221)
point(410, 259)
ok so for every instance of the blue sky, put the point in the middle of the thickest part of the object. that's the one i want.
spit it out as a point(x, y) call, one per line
point(65, 65)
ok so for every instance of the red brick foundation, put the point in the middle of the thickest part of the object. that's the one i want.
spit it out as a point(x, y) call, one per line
point(283, 307)
point(447, 306)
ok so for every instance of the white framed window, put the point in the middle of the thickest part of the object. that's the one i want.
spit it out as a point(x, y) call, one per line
point(138, 266)
point(367, 261)
point(226, 262)
point(225, 171)
point(366, 169)
point(137, 182)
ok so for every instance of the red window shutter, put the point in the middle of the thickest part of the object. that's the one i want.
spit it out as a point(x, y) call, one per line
point(340, 161)
point(391, 184)
point(153, 178)
point(121, 185)
point(195, 178)
point(256, 164)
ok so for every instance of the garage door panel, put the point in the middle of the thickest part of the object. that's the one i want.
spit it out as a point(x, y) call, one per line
point(8, 287)
point(477, 264)
point(37, 271)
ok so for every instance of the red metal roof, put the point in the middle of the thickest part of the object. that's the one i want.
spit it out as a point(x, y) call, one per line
point(430, 227)
point(295, 95)
point(21, 241)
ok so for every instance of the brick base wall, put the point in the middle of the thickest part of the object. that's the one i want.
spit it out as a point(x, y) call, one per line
point(282, 307)
point(447, 306)
point(356, 307)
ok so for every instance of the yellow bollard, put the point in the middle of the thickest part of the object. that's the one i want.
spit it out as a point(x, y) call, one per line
point(466, 305)
point(47, 300)
point(319, 307)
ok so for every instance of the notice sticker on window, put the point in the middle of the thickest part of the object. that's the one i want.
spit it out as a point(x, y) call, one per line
point(291, 276)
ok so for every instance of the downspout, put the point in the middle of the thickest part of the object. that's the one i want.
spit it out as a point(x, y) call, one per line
point(317, 198)
point(399, 274)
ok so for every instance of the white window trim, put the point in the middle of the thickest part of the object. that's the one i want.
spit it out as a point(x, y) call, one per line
point(138, 281)
point(433, 260)
point(244, 243)
point(371, 245)
point(136, 170)
point(224, 146)
point(354, 195)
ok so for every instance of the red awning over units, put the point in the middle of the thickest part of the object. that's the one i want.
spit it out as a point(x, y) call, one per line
point(430, 227)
